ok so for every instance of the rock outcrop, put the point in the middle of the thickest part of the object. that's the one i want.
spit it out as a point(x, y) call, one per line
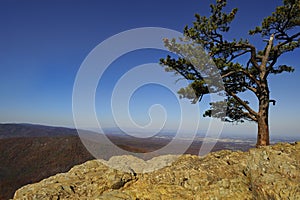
point(271, 172)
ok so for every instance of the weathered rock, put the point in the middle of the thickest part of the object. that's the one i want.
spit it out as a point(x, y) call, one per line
point(271, 172)
point(275, 174)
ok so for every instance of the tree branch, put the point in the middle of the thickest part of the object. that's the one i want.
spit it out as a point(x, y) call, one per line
point(238, 55)
point(254, 90)
point(276, 49)
point(251, 116)
point(275, 57)
point(267, 53)
point(253, 53)
point(287, 40)
point(243, 103)
point(244, 71)
point(228, 74)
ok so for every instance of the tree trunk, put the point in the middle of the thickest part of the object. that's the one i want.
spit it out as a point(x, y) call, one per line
point(263, 131)
point(263, 138)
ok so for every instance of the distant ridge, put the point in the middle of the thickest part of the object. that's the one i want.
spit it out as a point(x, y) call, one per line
point(32, 152)
point(12, 130)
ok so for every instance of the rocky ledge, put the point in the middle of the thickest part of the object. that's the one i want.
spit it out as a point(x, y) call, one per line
point(271, 172)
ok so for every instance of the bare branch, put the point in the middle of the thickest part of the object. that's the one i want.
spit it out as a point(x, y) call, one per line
point(267, 53)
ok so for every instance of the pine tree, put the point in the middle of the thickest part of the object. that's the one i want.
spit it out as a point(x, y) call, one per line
point(279, 35)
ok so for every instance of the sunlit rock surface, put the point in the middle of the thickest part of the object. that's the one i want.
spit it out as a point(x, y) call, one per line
point(266, 173)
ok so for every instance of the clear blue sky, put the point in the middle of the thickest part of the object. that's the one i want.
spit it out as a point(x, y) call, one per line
point(43, 43)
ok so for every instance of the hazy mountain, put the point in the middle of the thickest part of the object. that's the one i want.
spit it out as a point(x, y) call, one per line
point(30, 153)
point(30, 130)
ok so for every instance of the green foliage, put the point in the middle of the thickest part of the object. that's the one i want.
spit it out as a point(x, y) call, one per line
point(285, 18)
point(206, 36)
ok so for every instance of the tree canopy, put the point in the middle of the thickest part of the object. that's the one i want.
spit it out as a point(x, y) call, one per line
point(279, 33)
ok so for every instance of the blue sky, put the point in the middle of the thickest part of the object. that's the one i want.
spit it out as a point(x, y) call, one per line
point(43, 44)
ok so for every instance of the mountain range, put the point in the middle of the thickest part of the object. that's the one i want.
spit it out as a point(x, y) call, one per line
point(30, 153)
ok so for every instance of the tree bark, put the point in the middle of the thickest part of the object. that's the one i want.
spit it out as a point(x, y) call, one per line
point(263, 138)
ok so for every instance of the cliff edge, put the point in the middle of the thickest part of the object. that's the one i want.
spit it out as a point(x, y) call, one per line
point(271, 172)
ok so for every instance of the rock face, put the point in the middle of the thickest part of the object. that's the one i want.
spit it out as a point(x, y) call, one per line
point(271, 172)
